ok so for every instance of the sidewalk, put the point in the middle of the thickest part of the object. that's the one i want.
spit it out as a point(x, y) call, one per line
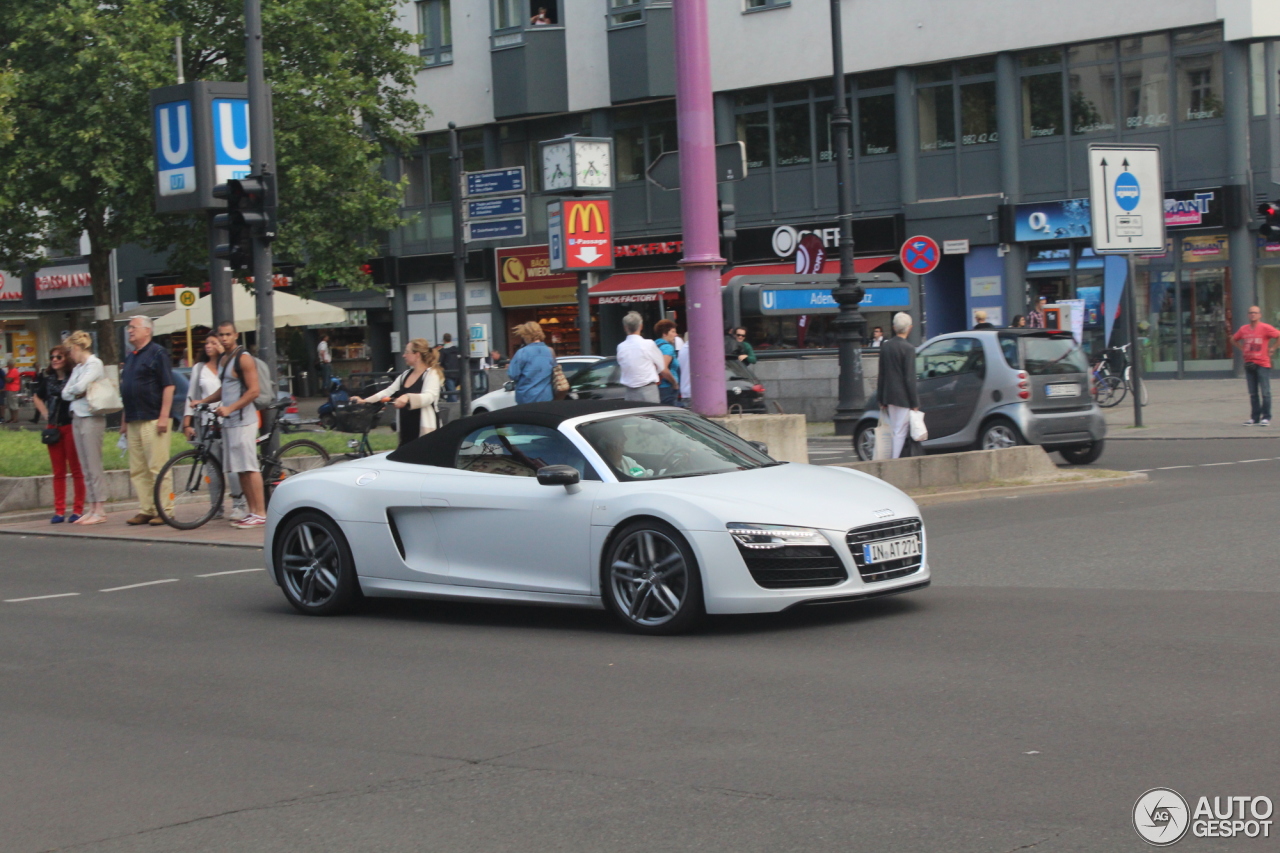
point(1188, 408)
point(216, 532)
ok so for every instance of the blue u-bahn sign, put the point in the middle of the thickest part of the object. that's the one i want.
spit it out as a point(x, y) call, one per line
point(231, 158)
point(175, 148)
point(200, 138)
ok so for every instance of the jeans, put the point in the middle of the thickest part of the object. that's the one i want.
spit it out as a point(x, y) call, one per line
point(451, 390)
point(63, 457)
point(668, 395)
point(1259, 380)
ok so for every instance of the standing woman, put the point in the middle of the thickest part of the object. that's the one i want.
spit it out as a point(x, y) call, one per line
point(415, 391)
point(204, 381)
point(62, 453)
point(87, 427)
point(532, 365)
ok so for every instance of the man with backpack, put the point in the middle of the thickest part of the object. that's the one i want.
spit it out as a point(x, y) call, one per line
point(240, 389)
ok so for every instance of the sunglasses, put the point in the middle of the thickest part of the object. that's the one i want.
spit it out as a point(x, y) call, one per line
point(739, 336)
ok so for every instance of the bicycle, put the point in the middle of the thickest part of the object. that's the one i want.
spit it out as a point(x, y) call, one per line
point(361, 418)
point(1113, 378)
point(196, 482)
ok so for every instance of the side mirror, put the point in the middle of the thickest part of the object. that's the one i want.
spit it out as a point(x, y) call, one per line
point(509, 385)
point(761, 446)
point(559, 475)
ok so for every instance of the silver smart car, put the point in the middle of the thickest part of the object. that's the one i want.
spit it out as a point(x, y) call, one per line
point(986, 389)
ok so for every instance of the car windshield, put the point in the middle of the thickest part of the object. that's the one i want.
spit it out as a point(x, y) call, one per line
point(663, 445)
point(1051, 356)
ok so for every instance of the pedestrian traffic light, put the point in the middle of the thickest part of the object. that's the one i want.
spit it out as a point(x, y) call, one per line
point(250, 213)
point(728, 222)
point(1270, 212)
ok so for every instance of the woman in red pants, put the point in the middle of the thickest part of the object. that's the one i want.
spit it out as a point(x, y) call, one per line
point(62, 453)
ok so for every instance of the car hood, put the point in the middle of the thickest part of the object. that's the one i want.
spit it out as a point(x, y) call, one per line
point(826, 497)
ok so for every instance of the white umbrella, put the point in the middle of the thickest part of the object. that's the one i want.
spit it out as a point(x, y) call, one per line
point(290, 310)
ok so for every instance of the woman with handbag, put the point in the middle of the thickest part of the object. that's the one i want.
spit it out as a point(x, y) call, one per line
point(57, 435)
point(533, 366)
point(415, 392)
point(88, 425)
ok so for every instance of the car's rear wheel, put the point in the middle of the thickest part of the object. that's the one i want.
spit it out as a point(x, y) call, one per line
point(999, 434)
point(864, 441)
point(650, 579)
point(315, 565)
point(1082, 454)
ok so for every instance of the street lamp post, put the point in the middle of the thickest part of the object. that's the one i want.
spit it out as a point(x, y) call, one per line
point(848, 292)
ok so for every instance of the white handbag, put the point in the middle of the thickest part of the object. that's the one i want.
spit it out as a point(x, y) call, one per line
point(919, 432)
point(103, 396)
point(884, 441)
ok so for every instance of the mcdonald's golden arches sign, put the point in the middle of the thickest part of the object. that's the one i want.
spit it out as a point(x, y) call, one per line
point(583, 231)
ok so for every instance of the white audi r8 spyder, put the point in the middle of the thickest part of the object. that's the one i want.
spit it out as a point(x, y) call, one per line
point(653, 512)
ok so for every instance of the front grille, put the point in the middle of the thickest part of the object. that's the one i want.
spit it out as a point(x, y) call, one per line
point(794, 566)
point(890, 569)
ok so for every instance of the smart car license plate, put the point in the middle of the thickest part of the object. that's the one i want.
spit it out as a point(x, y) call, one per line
point(1068, 389)
point(891, 549)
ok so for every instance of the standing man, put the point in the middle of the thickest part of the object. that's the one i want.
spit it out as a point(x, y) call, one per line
point(239, 374)
point(451, 364)
point(980, 320)
point(146, 387)
point(748, 352)
point(640, 362)
point(896, 385)
point(1258, 341)
point(1035, 317)
point(324, 358)
point(877, 338)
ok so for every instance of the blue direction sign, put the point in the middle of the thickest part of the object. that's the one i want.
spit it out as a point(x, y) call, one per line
point(175, 148)
point(507, 206)
point(494, 182)
point(495, 229)
point(230, 139)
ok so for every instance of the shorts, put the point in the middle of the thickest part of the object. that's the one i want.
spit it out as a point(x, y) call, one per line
point(240, 449)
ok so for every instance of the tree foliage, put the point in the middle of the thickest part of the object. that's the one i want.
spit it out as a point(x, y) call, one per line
point(79, 158)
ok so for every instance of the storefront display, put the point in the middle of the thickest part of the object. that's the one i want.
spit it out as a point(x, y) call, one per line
point(1184, 312)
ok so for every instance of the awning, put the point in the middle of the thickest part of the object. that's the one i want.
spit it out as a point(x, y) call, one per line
point(628, 283)
point(290, 310)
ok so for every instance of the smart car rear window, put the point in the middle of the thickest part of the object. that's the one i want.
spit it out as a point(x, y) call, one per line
point(1052, 356)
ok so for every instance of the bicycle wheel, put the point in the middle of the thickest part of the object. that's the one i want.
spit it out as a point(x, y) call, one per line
point(1109, 391)
point(293, 458)
point(195, 489)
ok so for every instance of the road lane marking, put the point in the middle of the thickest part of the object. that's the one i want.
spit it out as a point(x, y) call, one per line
point(1211, 464)
point(40, 597)
point(1243, 461)
point(1174, 467)
point(1142, 471)
point(136, 585)
point(232, 572)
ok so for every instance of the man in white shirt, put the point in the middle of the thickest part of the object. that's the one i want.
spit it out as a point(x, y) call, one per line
point(640, 362)
point(324, 358)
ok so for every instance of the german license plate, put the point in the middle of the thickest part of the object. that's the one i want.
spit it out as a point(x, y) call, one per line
point(1067, 389)
point(891, 549)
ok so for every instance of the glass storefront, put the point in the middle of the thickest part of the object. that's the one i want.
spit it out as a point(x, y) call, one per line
point(1070, 270)
point(1184, 314)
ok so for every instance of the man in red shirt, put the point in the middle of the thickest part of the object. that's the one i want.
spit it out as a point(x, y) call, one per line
point(1258, 341)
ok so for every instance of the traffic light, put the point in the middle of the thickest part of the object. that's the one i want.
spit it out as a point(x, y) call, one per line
point(250, 213)
point(1270, 212)
point(728, 222)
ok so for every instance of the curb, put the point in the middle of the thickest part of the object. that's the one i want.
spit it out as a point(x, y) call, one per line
point(152, 541)
point(1031, 489)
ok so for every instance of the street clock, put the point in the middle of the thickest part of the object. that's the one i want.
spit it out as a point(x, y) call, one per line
point(577, 163)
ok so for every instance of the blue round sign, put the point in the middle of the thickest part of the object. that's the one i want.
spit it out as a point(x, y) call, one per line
point(1128, 191)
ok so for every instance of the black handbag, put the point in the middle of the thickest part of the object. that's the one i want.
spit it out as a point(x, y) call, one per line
point(51, 434)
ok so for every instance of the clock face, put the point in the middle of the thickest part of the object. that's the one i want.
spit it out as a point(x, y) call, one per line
point(593, 164)
point(557, 172)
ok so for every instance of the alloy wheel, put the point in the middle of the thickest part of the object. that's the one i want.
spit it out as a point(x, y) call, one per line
point(1000, 436)
point(311, 563)
point(649, 578)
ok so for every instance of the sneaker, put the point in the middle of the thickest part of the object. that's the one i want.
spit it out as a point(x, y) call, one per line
point(1250, 423)
point(58, 519)
point(74, 517)
point(239, 508)
point(1265, 422)
point(249, 521)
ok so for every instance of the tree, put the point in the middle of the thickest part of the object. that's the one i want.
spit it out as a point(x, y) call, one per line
point(80, 157)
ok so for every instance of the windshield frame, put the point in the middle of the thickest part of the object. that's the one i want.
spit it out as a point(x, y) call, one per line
point(748, 454)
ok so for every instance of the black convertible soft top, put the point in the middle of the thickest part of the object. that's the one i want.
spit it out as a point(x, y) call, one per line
point(440, 448)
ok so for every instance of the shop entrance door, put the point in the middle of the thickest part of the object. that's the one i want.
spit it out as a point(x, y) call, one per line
point(1202, 304)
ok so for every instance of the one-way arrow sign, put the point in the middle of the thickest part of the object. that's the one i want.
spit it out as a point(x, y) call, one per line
point(731, 165)
point(1126, 201)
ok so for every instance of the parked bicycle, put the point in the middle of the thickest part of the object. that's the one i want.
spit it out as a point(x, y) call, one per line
point(361, 418)
point(1113, 378)
point(198, 487)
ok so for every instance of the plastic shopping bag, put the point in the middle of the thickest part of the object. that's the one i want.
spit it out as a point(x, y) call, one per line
point(884, 441)
point(919, 431)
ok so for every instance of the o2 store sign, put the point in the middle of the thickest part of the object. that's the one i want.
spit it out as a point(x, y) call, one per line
point(1069, 218)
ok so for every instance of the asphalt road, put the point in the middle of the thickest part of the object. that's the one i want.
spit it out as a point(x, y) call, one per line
point(1074, 651)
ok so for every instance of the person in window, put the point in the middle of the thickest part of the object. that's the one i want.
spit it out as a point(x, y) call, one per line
point(612, 441)
point(415, 392)
point(877, 338)
point(532, 365)
point(541, 19)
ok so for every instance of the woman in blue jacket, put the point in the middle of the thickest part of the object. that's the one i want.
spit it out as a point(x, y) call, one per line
point(531, 366)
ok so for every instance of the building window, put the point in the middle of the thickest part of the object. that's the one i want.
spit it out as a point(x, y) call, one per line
point(439, 180)
point(640, 136)
point(1200, 87)
point(1144, 86)
point(753, 129)
point(512, 17)
point(978, 113)
point(939, 100)
point(412, 168)
point(877, 124)
point(793, 135)
point(759, 5)
point(623, 12)
point(1093, 87)
point(436, 29)
point(1042, 105)
point(936, 108)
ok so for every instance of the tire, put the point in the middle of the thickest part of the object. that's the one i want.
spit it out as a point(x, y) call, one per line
point(864, 441)
point(999, 434)
point(1082, 454)
point(292, 458)
point(650, 579)
point(314, 565)
point(480, 411)
point(1109, 391)
point(196, 489)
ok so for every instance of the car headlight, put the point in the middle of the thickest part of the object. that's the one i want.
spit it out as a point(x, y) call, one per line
point(766, 536)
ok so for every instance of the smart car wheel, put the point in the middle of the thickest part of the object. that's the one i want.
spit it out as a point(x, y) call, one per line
point(316, 569)
point(864, 442)
point(998, 435)
point(1082, 454)
point(650, 579)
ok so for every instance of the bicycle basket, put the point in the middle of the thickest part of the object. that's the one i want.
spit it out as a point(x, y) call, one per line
point(354, 417)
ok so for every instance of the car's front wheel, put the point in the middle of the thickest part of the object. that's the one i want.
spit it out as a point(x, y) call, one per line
point(999, 434)
point(1083, 454)
point(864, 441)
point(315, 565)
point(650, 579)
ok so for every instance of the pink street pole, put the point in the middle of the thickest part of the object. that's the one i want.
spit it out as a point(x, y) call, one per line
point(699, 207)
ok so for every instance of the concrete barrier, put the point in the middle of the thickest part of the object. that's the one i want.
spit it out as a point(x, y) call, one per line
point(785, 435)
point(1013, 464)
